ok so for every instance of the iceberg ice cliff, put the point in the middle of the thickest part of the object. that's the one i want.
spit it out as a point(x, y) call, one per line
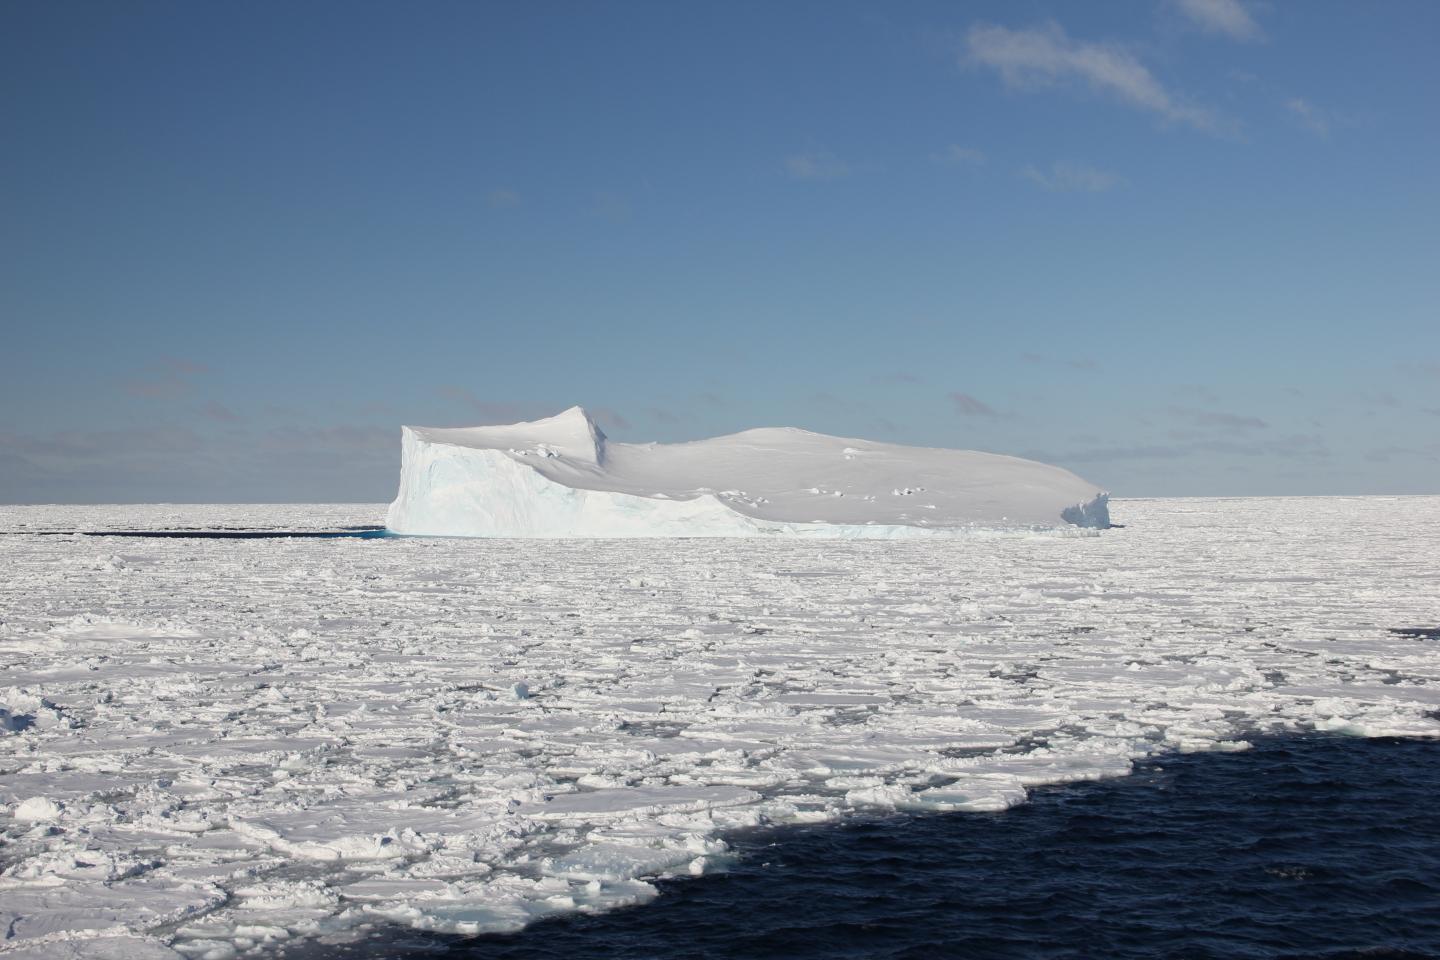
point(561, 477)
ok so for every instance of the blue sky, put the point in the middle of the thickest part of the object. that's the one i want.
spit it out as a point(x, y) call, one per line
point(1182, 247)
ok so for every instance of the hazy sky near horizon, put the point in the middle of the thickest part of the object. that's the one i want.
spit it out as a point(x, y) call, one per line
point(1177, 246)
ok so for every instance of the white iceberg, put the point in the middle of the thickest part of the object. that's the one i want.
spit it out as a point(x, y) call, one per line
point(561, 477)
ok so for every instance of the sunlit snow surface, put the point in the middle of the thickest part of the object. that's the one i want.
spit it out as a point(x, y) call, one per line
point(214, 746)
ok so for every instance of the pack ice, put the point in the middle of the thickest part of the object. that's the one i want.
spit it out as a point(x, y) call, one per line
point(213, 749)
point(561, 477)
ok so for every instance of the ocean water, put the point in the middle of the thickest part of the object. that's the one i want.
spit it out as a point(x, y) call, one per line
point(1315, 846)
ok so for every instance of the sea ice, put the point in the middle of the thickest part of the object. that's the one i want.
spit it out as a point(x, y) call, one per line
point(233, 745)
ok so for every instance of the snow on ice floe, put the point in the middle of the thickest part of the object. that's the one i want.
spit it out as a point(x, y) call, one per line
point(213, 748)
point(561, 477)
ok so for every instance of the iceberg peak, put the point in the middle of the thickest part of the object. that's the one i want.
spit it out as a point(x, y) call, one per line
point(571, 435)
point(573, 432)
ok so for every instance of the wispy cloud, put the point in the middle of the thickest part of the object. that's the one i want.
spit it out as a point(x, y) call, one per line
point(377, 440)
point(503, 199)
point(957, 156)
point(1395, 452)
point(183, 367)
point(1300, 446)
point(1108, 454)
point(97, 444)
point(1421, 368)
point(1214, 418)
point(156, 389)
point(968, 406)
point(1071, 178)
point(816, 165)
point(1196, 391)
point(495, 413)
point(886, 426)
point(608, 418)
point(1045, 56)
point(168, 462)
point(167, 377)
point(1227, 17)
point(215, 410)
point(1379, 398)
point(610, 206)
point(1310, 116)
point(1074, 363)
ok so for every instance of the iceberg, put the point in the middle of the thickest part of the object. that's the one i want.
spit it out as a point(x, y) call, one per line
point(561, 477)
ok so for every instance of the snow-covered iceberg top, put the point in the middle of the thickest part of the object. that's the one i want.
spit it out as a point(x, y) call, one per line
point(561, 477)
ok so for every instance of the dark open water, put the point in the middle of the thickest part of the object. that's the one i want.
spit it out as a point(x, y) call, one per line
point(1303, 847)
